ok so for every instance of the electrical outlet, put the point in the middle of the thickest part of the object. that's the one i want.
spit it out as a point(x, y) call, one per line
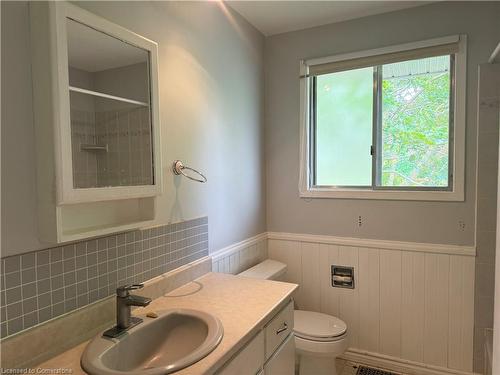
point(461, 225)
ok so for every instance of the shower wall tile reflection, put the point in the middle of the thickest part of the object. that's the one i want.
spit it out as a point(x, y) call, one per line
point(128, 160)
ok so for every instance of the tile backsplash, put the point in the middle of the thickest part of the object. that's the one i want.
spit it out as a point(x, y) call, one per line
point(44, 284)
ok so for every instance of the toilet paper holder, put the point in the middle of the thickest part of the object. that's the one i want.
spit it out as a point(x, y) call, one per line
point(342, 277)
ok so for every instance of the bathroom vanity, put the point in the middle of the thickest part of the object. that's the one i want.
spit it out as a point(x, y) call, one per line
point(257, 319)
point(271, 351)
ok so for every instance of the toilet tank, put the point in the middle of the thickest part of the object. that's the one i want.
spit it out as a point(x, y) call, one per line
point(268, 270)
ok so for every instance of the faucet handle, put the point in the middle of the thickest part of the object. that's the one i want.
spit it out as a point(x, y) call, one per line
point(123, 290)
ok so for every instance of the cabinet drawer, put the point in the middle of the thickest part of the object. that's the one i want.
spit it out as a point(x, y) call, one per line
point(278, 329)
point(249, 360)
point(282, 361)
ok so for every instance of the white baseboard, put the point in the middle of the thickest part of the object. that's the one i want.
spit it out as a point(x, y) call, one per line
point(398, 365)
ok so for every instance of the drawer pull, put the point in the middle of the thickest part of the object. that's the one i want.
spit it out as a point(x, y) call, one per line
point(282, 329)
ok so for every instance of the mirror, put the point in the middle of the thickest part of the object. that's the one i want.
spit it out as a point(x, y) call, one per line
point(110, 110)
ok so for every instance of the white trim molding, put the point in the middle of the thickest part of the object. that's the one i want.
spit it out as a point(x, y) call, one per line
point(222, 256)
point(397, 364)
point(306, 190)
point(378, 244)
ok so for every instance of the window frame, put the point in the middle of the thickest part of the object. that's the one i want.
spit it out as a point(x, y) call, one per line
point(455, 189)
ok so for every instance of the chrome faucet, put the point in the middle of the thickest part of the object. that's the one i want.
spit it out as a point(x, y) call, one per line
point(124, 301)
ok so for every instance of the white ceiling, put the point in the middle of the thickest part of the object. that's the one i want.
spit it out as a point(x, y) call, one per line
point(275, 17)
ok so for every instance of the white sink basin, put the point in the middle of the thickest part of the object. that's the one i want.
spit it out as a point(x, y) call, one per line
point(172, 341)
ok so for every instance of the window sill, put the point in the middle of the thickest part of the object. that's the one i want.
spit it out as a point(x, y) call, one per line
point(448, 196)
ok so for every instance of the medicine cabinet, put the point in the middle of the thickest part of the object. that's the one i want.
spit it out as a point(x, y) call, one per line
point(95, 100)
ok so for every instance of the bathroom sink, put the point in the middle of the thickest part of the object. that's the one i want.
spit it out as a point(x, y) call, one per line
point(172, 341)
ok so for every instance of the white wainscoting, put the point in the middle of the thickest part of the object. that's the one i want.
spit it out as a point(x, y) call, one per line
point(413, 303)
point(240, 256)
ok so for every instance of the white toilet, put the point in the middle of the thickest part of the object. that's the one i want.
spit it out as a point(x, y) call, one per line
point(319, 338)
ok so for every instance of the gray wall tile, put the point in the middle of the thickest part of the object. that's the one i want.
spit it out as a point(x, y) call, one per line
point(14, 310)
point(28, 275)
point(42, 285)
point(55, 254)
point(12, 264)
point(29, 305)
point(44, 300)
point(28, 260)
point(14, 295)
point(42, 257)
point(43, 272)
point(44, 314)
point(15, 325)
point(29, 290)
point(12, 280)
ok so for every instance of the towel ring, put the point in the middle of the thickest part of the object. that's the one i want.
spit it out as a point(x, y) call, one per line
point(178, 169)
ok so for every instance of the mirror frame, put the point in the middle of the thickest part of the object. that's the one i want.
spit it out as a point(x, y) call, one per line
point(66, 192)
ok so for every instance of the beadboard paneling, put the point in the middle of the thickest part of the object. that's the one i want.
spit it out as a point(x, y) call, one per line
point(436, 310)
point(461, 321)
point(390, 302)
point(408, 304)
point(369, 294)
point(412, 308)
point(349, 298)
point(240, 256)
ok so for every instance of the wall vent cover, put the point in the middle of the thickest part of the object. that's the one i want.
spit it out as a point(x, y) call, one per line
point(362, 370)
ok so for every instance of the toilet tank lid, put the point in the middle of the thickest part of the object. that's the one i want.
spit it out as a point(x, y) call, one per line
point(268, 269)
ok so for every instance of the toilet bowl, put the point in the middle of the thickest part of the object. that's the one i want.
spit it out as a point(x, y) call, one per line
point(319, 338)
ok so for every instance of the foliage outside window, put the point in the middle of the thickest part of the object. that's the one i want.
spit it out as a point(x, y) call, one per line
point(387, 126)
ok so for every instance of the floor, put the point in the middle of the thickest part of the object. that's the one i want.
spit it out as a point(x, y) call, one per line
point(347, 368)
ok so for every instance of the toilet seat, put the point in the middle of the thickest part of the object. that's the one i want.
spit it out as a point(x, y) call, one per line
point(318, 327)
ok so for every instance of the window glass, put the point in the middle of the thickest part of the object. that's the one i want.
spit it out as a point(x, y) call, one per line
point(343, 134)
point(401, 111)
point(415, 122)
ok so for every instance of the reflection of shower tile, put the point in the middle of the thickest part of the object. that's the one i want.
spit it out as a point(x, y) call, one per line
point(127, 134)
point(134, 120)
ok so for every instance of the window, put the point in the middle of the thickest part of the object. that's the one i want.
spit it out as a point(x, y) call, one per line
point(384, 123)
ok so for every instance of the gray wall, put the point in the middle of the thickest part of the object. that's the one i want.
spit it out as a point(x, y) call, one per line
point(434, 222)
point(211, 112)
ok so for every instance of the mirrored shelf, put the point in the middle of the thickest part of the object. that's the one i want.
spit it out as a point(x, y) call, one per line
point(102, 95)
point(99, 123)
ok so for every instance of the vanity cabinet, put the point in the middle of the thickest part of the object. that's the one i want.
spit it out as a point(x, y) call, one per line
point(95, 98)
point(283, 360)
point(270, 352)
point(249, 360)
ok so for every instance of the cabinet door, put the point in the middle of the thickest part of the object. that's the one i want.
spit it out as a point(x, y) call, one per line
point(283, 360)
point(249, 360)
point(278, 329)
point(103, 117)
